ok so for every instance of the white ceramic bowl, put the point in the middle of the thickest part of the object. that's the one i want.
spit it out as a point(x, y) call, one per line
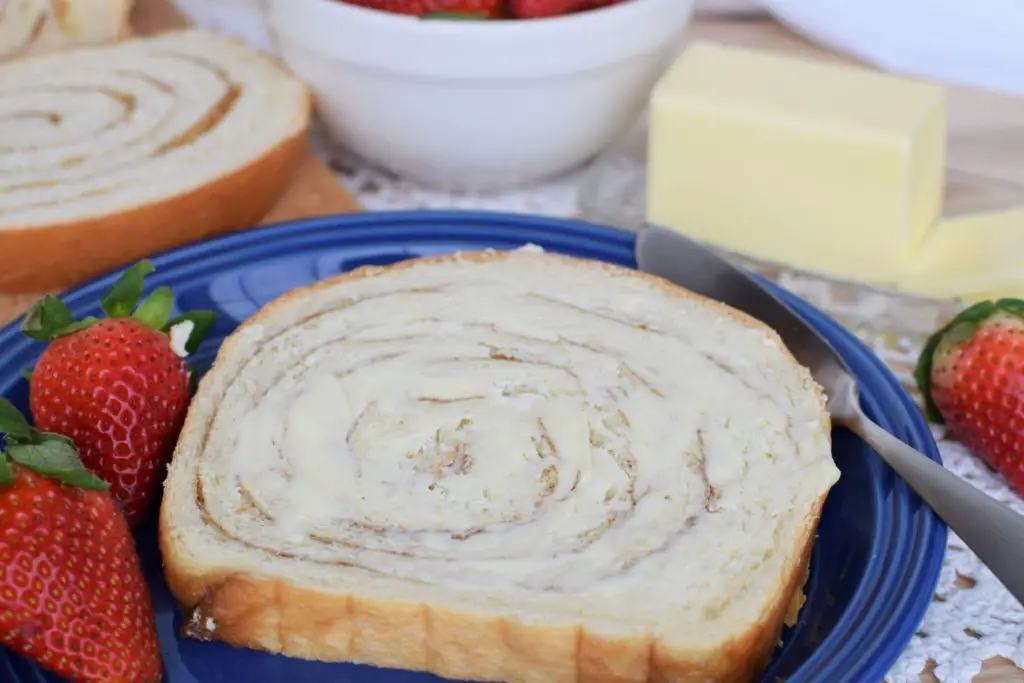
point(477, 105)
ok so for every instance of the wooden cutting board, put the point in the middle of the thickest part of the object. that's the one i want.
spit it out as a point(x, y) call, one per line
point(315, 191)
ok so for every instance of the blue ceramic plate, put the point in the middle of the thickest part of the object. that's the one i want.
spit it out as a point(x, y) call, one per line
point(879, 549)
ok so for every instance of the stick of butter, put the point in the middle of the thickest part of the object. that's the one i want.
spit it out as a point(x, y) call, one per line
point(971, 258)
point(831, 168)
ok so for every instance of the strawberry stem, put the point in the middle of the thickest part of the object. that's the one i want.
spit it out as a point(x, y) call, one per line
point(49, 318)
point(51, 455)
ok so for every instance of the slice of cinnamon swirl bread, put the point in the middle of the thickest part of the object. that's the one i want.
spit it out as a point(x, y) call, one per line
point(503, 467)
point(30, 27)
point(108, 154)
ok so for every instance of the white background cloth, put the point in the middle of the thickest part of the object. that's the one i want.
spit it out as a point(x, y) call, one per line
point(977, 43)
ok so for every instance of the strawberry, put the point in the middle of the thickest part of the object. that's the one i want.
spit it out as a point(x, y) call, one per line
point(115, 387)
point(72, 593)
point(446, 9)
point(538, 9)
point(971, 375)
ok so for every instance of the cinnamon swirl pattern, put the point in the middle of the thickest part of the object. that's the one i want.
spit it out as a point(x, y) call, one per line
point(36, 26)
point(518, 434)
point(101, 131)
point(110, 154)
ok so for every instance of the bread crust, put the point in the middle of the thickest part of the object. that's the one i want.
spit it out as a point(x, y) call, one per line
point(75, 251)
point(276, 616)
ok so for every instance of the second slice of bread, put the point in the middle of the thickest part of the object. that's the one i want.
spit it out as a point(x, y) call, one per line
point(111, 153)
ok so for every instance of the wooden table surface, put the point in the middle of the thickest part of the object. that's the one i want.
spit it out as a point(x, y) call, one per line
point(986, 148)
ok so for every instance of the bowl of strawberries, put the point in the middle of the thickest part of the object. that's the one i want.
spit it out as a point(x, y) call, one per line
point(477, 95)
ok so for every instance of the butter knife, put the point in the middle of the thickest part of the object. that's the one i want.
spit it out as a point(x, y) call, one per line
point(992, 530)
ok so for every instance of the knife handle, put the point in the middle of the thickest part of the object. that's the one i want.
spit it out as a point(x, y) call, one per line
point(991, 529)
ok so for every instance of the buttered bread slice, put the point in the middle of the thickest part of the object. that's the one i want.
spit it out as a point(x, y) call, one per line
point(500, 466)
point(29, 27)
point(108, 154)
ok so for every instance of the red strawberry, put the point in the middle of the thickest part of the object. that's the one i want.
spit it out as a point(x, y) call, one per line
point(451, 9)
point(537, 9)
point(971, 374)
point(72, 593)
point(115, 387)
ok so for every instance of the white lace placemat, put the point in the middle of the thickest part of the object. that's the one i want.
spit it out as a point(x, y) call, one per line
point(972, 617)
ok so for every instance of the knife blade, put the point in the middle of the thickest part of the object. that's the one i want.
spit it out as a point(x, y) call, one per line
point(992, 530)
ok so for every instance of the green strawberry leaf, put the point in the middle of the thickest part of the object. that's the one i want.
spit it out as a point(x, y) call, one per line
point(26, 372)
point(193, 379)
point(120, 301)
point(201, 321)
point(923, 376)
point(155, 309)
point(1012, 306)
point(46, 319)
point(963, 326)
point(6, 473)
point(42, 437)
point(57, 459)
point(462, 16)
point(12, 423)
